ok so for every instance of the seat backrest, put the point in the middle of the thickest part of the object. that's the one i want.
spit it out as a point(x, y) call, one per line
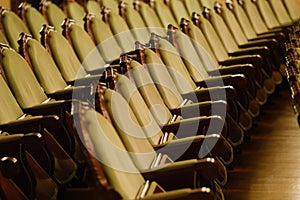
point(212, 37)
point(149, 15)
point(103, 37)
point(179, 11)
point(10, 110)
point(150, 91)
point(21, 79)
point(12, 26)
point(254, 16)
point(281, 13)
point(121, 32)
point(233, 25)
point(206, 3)
point(223, 32)
point(118, 166)
point(54, 15)
point(176, 67)
point(192, 6)
point(33, 19)
point(150, 18)
point(136, 23)
point(84, 46)
point(112, 5)
point(129, 130)
point(92, 6)
point(42, 64)
point(293, 9)
point(242, 18)
point(63, 54)
point(189, 56)
point(76, 12)
point(136, 102)
point(201, 45)
point(267, 14)
point(164, 13)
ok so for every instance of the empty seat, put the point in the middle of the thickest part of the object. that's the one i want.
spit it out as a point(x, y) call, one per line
point(12, 26)
point(53, 14)
point(104, 141)
point(32, 18)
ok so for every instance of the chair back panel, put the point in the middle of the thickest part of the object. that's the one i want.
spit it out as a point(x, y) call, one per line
point(190, 57)
point(244, 21)
point(150, 94)
point(234, 26)
point(131, 133)
point(223, 32)
point(137, 25)
point(105, 40)
point(176, 67)
point(13, 26)
point(65, 57)
point(76, 12)
point(118, 166)
point(22, 81)
point(201, 44)
point(164, 14)
point(121, 31)
point(293, 9)
point(92, 6)
point(192, 6)
point(179, 11)
point(281, 13)
point(267, 14)
point(255, 18)
point(55, 16)
point(112, 5)
point(44, 67)
point(136, 102)
point(10, 110)
point(35, 20)
point(85, 49)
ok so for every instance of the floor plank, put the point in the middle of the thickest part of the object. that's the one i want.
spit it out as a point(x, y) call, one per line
point(269, 166)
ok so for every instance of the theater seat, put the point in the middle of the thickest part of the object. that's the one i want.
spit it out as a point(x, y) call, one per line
point(54, 15)
point(143, 154)
point(164, 141)
point(292, 9)
point(104, 140)
point(103, 37)
point(12, 26)
point(32, 18)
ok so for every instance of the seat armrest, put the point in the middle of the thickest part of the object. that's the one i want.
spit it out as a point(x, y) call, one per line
point(52, 123)
point(88, 80)
point(83, 93)
point(28, 124)
point(236, 80)
point(196, 126)
point(211, 94)
point(260, 42)
point(183, 194)
point(207, 169)
point(206, 108)
point(197, 147)
point(262, 50)
point(50, 108)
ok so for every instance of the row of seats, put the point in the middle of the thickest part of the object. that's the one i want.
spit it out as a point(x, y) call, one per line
point(132, 99)
point(292, 69)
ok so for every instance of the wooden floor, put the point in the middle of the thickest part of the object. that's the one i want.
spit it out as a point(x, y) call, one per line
point(269, 166)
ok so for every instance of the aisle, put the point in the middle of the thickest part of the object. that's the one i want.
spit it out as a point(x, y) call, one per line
point(269, 166)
